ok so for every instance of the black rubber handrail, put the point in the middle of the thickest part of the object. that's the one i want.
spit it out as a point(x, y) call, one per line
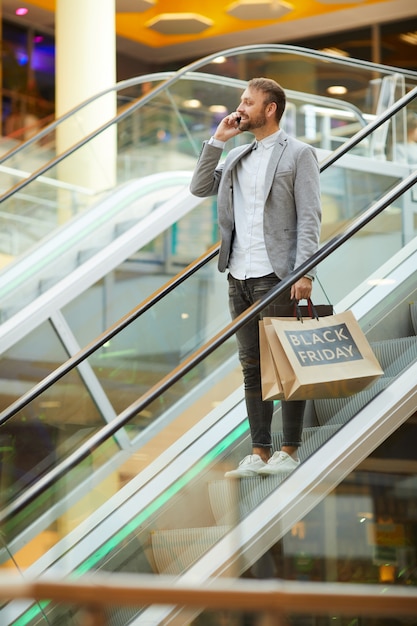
point(110, 429)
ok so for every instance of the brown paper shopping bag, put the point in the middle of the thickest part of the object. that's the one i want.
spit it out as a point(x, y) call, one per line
point(269, 343)
point(328, 357)
point(270, 382)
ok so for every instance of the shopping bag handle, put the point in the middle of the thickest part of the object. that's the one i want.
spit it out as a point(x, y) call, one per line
point(310, 307)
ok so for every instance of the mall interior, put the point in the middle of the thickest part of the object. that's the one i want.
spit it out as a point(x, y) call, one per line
point(121, 396)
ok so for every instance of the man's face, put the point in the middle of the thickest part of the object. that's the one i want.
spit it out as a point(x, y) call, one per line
point(252, 110)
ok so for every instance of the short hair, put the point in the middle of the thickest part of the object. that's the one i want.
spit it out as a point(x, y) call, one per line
point(273, 93)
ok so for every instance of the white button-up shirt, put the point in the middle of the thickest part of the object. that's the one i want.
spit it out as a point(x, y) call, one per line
point(249, 258)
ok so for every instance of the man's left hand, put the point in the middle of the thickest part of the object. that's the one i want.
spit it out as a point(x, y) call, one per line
point(301, 290)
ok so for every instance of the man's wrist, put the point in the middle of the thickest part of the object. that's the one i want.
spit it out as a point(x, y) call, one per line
point(217, 143)
point(309, 276)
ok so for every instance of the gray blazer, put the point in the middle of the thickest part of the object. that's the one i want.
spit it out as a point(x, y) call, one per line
point(292, 212)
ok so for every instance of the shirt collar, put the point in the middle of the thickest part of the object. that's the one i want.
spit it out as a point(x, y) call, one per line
point(269, 141)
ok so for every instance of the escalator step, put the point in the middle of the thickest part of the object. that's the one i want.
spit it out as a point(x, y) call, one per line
point(394, 355)
point(341, 410)
point(123, 227)
point(231, 499)
point(175, 550)
point(87, 253)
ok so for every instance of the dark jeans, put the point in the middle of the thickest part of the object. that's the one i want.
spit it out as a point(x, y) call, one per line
point(243, 293)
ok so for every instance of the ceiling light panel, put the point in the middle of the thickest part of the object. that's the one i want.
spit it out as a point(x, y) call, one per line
point(259, 9)
point(179, 23)
point(133, 6)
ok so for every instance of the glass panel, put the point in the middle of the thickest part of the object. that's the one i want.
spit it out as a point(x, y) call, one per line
point(308, 72)
point(364, 531)
point(143, 353)
point(33, 155)
point(145, 272)
point(47, 430)
point(61, 508)
point(375, 244)
point(29, 361)
point(70, 247)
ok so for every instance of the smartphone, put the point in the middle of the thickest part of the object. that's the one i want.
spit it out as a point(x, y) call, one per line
point(238, 119)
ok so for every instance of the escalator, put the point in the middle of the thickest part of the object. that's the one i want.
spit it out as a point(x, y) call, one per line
point(171, 447)
point(149, 524)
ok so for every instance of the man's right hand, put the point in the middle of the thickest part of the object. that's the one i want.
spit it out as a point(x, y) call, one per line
point(228, 127)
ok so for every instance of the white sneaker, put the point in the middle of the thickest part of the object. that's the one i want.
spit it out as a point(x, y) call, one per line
point(279, 463)
point(249, 466)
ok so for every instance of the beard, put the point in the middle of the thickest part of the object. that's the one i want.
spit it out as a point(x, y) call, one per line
point(253, 124)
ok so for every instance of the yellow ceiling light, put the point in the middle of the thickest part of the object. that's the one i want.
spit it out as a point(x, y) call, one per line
point(218, 108)
point(337, 51)
point(192, 104)
point(133, 6)
point(336, 90)
point(179, 23)
point(259, 9)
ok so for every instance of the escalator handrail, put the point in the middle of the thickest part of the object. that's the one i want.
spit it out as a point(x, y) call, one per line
point(364, 132)
point(189, 68)
point(111, 428)
point(108, 334)
point(124, 84)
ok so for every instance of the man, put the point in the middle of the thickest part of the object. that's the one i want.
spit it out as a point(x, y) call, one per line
point(269, 218)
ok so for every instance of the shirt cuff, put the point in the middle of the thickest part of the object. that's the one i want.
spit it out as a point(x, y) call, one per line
point(216, 143)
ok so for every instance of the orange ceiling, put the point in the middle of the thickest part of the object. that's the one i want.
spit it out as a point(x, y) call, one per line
point(133, 26)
